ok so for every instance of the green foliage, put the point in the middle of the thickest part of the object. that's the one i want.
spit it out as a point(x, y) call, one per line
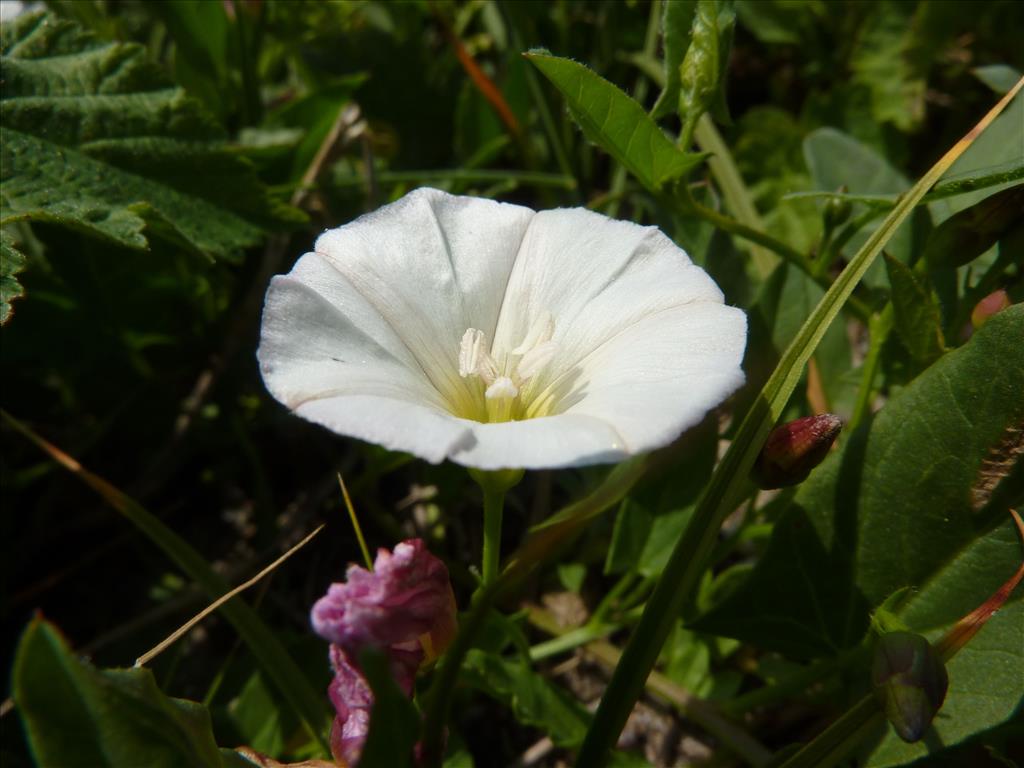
point(916, 312)
point(615, 122)
point(136, 136)
point(95, 139)
point(832, 556)
point(12, 261)
point(76, 715)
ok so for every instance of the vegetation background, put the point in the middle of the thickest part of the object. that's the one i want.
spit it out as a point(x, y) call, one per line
point(133, 280)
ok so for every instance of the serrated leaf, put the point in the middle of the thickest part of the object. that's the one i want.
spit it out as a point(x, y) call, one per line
point(918, 320)
point(12, 261)
point(893, 509)
point(615, 122)
point(95, 139)
point(77, 715)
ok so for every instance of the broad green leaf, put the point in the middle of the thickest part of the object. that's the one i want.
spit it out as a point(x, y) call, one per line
point(858, 530)
point(999, 77)
point(836, 159)
point(916, 312)
point(615, 122)
point(77, 715)
point(969, 233)
point(675, 29)
point(12, 261)
point(95, 139)
point(1000, 148)
point(894, 509)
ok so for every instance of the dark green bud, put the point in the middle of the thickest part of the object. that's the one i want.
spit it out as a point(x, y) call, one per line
point(837, 210)
point(794, 449)
point(910, 682)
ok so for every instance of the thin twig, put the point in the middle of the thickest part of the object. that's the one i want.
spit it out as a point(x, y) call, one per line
point(184, 628)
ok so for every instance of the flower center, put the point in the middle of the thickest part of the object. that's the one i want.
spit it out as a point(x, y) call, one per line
point(505, 380)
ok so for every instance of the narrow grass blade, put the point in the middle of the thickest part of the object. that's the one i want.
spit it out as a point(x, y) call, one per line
point(689, 559)
point(275, 661)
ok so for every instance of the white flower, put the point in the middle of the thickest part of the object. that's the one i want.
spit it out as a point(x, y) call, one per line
point(499, 337)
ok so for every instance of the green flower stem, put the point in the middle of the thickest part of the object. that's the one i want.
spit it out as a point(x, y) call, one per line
point(787, 252)
point(542, 542)
point(494, 486)
point(737, 197)
point(494, 503)
point(792, 685)
point(878, 330)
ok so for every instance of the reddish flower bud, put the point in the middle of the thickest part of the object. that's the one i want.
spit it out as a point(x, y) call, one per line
point(794, 449)
point(404, 607)
point(992, 304)
point(910, 682)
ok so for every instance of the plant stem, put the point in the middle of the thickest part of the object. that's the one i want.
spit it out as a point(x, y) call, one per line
point(878, 331)
point(787, 252)
point(835, 742)
point(494, 504)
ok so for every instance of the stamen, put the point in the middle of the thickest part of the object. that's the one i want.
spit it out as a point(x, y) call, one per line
point(469, 351)
point(503, 388)
point(542, 330)
point(474, 359)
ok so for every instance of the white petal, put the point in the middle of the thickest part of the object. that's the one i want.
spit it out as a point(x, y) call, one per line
point(432, 265)
point(597, 276)
point(556, 441)
point(661, 375)
point(337, 363)
point(395, 424)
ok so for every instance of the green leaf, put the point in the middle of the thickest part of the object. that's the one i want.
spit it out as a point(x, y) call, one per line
point(916, 312)
point(894, 509)
point(836, 159)
point(77, 715)
point(616, 122)
point(12, 261)
point(94, 139)
point(966, 235)
point(270, 653)
point(728, 485)
point(533, 699)
point(394, 721)
point(675, 29)
point(999, 77)
point(887, 62)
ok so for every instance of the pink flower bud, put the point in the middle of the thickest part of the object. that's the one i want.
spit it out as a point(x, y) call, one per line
point(992, 304)
point(404, 607)
point(406, 597)
point(794, 449)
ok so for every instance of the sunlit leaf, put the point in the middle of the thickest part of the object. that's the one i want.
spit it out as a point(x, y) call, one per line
point(615, 122)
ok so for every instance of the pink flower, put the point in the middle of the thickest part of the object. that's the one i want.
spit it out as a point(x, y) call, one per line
point(407, 596)
point(352, 699)
point(404, 607)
